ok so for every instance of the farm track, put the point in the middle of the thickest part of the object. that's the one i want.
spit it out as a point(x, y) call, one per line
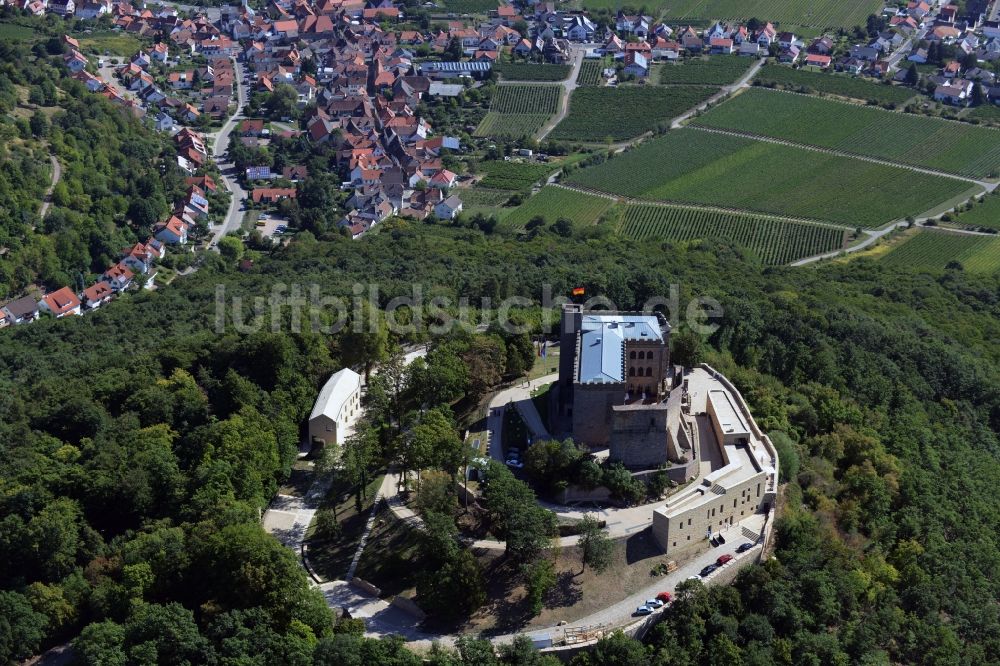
point(568, 85)
point(988, 186)
point(47, 199)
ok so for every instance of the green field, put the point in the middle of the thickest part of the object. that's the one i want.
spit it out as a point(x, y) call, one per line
point(519, 110)
point(590, 73)
point(526, 71)
point(985, 215)
point(691, 166)
point(944, 145)
point(933, 250)
point(775, 241)
point(11, 32)
point(503, 175)
point(551, 203)
point(711, 70)
point(116, 43)
point(842, 85)
point(470, 6)
point(789, 13)
point(599, 114)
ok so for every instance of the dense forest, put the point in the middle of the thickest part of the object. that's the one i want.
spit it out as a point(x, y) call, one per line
point(139, 444)
point(118, 176)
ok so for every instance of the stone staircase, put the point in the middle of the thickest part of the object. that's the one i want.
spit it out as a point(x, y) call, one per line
point(750, 534)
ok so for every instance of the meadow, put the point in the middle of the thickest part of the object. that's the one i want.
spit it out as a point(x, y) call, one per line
point(691, 166)
point(11, 32)
point(527, 71)
point(841, 85)
point(483, 200)
point(552, 202)
point(601, 114)
point(944, 145)
point(988, 114)
point(789, 13)
point(519, 110)
point(931, 250)
point(710, 70)
point(775, 241)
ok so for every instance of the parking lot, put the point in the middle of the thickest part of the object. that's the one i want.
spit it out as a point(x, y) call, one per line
point(270, 225)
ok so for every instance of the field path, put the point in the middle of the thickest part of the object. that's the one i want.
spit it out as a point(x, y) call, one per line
point(569, 85)
point(742, 82)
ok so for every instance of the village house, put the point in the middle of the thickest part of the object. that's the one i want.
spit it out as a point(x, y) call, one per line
point(61, 303)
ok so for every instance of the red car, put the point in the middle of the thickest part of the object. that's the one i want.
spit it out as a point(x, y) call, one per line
point(664, 597)
point(723, 559)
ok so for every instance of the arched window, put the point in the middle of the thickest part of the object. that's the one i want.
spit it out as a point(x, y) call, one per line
point(642, 354)
point(649, 372)
point(631, 372)
point(631, 354)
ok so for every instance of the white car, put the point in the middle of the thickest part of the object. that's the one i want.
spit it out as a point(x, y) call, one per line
point(643, 610)
point(654, 603)
point(694, 577)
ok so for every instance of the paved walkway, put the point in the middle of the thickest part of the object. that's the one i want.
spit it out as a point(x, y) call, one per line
point(743, 82)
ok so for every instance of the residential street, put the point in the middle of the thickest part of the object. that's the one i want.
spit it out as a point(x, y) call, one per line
point(234, 216)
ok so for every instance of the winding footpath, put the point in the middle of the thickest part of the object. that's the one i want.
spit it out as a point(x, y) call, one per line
point(47, 199)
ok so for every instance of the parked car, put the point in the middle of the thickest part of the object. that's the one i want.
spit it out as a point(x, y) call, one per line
point(723, 559)
point(694, 577)
point(654, 603)
point(643, 610)
point(516, 464)
point(709, 570)
point(665, 597)
point(744, 547)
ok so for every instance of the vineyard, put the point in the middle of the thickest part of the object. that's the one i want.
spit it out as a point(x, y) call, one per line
point(526, 71)
point(691, 166)
point(788, 13)
point(774, 241)
point(949, 146)
point(551, 203)
point(482, 200)
point(934, 250)
point(714, 70)
point(599, 114)
point(503, 175)
point(590, 73)
point(985, 215)
point(519, 111)
point(511, 125)
point(526, 99)
point(842, 85)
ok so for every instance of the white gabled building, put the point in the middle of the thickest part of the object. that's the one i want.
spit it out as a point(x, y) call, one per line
point(336, 408)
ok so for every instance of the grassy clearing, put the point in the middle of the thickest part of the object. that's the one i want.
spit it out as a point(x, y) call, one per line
point(700, 167)
point(527, 71)
point(482, 200)
point(710, 70)
point(11, 32)
point(330, 556)
point(552, 203)
point(841, 85)
point(470, 6)
point(953, 147)
point(775, 241)
point(988, 114)
point(602, 114)
point(932, 250)
point(115, 43)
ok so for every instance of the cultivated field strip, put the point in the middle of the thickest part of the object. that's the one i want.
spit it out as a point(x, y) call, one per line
point(775, 241)
point(818, 13)
point(590, 73)
point(931, 250)
point(841, 85)
point(552, 203)
point(531, 99)
point(930, 143)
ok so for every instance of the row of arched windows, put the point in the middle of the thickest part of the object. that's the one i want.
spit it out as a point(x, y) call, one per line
point(641, 355)
point(632, 372)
